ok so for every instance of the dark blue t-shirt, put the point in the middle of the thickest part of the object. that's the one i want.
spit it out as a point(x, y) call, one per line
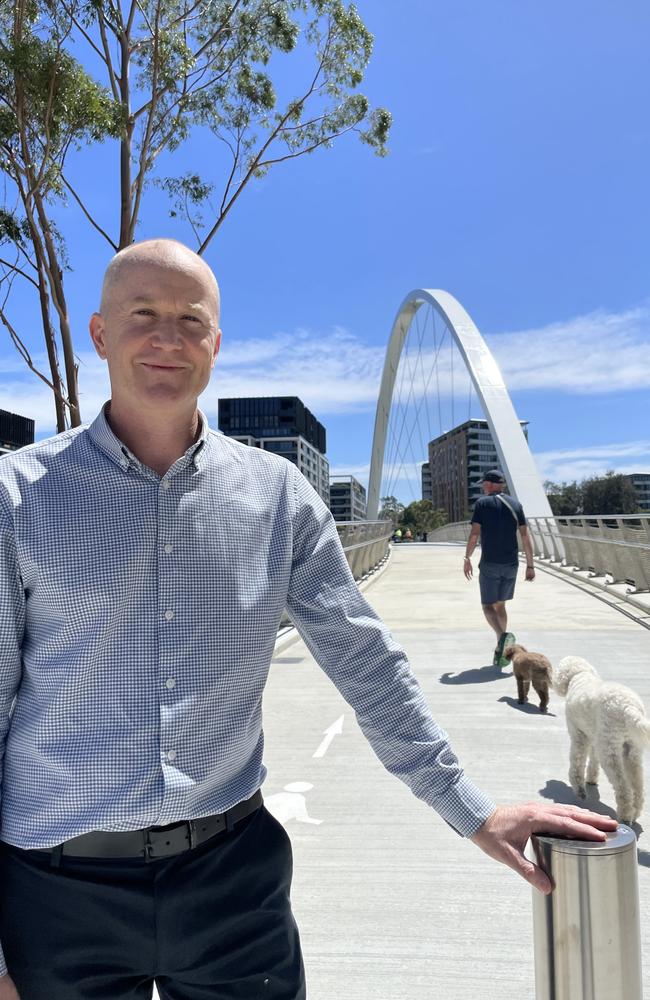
point(498, 528)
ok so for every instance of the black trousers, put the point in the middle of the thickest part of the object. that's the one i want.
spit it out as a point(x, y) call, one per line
point(213, 923)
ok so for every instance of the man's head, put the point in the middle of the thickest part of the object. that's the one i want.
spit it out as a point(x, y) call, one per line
point(494, 481)
point(158, 326)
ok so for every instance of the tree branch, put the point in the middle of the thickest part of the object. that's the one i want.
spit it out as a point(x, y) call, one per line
point(87, 213)
point(307, 149)
point(25, 355)
point(257, 161)
point(146, 140)
point(201, 70)
point(46, 121)
point(18, 270)
point(108, 59)
point(80, 28)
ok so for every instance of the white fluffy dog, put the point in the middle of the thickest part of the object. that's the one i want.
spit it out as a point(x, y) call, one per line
point(607, 724)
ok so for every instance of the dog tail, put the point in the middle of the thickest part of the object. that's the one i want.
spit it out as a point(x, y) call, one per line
point(543, 671)
point(642, 726)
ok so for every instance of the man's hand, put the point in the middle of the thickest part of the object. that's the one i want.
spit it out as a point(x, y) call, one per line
point(505, 834)
point(467, 568)
point(7, 989)
point(530, 572)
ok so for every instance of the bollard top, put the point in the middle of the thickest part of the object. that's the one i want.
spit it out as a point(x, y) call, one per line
point(621, 840)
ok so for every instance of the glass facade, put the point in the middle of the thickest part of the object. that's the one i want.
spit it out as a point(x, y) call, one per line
point(272, 417)
point(458, 461)
point(15, 431)
point(641, 483)
point(283, 425)
point(348, 501)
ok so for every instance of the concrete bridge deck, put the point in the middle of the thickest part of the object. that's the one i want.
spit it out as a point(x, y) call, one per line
point(393, 905)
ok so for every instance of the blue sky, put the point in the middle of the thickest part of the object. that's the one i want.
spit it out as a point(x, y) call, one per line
point(517, 180)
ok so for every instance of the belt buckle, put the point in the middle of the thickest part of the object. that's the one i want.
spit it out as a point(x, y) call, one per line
point(149, 846)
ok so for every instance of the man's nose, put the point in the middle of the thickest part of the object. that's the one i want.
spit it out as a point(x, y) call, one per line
point(167, 334)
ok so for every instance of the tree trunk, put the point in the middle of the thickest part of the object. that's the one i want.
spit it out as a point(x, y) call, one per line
point(55, 280)
point(50, 344)
point(127, 222)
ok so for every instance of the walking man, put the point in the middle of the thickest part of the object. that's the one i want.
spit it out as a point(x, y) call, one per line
point(145, 562)
point(496, 520)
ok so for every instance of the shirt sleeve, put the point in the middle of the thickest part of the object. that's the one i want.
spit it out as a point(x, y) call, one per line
point(12, 624)
point(370, 669)
point(521, 517)
point(477, 516)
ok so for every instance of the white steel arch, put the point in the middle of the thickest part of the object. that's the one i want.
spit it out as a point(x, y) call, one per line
point(512, 448)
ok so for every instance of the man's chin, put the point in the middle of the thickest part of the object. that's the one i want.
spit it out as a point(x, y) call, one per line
point(164, 393)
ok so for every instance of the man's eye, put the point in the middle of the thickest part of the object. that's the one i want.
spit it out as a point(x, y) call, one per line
point(144, 312)
point(192, 319)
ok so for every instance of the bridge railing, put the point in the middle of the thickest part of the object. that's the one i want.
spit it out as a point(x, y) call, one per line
point(457, 531)
point(613, 546)
point(365, 544)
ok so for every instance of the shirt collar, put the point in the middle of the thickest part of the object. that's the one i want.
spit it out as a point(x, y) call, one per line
point(104, 438)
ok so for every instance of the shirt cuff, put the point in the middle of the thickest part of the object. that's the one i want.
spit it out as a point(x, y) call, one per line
point(464, 807)
point(3, 965)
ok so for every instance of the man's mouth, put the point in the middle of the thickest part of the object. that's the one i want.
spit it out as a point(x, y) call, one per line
point(162, 368)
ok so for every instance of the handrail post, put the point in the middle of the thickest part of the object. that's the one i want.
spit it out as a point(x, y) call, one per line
point(587, 932)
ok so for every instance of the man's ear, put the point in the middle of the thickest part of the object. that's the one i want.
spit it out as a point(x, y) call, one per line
point(97, 333)
point(217, 345)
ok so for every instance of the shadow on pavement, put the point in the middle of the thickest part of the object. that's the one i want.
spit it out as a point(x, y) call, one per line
point(476, 675)
point(527, 707)
point(559, 791)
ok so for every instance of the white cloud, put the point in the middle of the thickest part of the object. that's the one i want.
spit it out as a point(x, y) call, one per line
point(594, 460)
point(600, 352)
point(23, 392)
point(332, 372)
point(360, 472)
point(335, 372)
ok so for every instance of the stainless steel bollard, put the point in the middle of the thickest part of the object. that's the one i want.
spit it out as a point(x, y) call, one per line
point(587, 932)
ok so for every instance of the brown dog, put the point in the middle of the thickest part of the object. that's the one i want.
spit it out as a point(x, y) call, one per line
point(530, 668)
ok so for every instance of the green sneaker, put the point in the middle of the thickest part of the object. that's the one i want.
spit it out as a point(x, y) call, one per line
point(509, 639)
point(498, 652)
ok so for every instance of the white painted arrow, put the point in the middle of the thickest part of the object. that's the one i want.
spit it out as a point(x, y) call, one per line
point(334, 730)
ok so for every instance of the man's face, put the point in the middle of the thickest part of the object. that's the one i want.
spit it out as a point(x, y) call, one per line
point(158, 331)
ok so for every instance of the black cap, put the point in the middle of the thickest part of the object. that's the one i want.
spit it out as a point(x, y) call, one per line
point(494, 476)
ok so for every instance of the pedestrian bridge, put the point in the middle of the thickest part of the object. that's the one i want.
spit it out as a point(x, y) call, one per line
point(392, 904)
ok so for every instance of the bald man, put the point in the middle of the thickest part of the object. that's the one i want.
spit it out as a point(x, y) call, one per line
point(145, 562)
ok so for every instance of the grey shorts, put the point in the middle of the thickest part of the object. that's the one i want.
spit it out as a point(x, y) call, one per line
point(497, 581)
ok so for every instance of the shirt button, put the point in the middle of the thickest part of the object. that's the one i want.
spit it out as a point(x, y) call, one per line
point(165, 484)
point(171, 755)
point(169, 615)
point(168, 547)
point(170, 683)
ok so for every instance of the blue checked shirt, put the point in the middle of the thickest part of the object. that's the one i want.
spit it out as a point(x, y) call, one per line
point(138, 619)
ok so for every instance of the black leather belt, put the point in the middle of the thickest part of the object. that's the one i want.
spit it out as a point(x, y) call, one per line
point(155, 841)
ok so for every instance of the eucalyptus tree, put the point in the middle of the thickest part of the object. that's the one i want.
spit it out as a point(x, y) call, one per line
point(264, 81)
point(49, 106)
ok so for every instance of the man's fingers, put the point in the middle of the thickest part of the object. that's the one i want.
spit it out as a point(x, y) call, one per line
point(514, 858)
point(533, 874)
point(568, 827)
point(573, 821)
